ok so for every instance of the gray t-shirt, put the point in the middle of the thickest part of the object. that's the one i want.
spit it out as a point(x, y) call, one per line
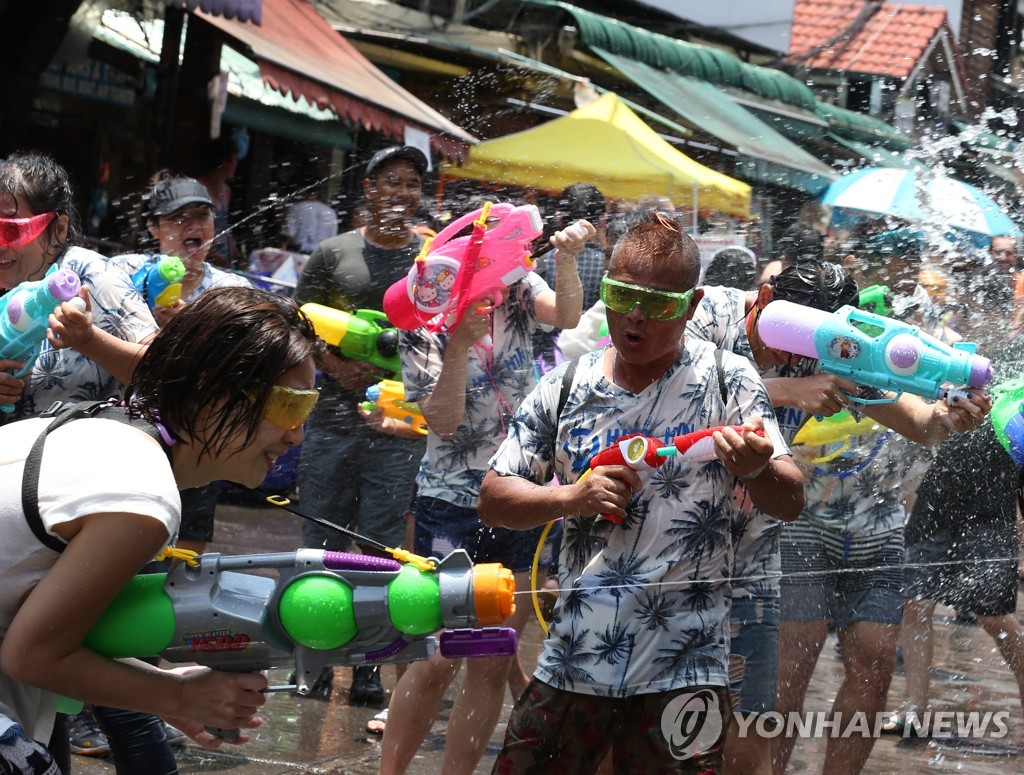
point(348, 273)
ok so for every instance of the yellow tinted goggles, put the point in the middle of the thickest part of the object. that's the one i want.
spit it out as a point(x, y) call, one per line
point(288, 408)
point(623, 297)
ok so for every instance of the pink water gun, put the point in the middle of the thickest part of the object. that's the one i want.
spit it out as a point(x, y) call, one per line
point(452, 272)
point(644, 454)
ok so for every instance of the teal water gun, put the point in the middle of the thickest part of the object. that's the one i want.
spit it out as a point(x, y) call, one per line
point(364, 335)
point(873, 350)
point(160, 282)
point(24, 312)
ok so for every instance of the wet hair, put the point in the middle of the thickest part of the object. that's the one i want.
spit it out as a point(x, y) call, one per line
point(734, 267)
point(581, 200)
point(819, 284)
point(224, 350)
point(799, 242)
point(45, 187)
point(659, 240)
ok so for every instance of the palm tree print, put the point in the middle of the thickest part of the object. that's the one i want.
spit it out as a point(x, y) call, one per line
point(643, 602)
point(698, 532)
point(615, 644)
point(568, 660)
point(654, 611)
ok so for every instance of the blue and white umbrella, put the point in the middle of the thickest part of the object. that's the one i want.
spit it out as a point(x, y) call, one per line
point(918, 196)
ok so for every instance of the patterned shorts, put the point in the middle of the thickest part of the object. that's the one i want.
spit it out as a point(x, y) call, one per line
point(841, 579)
point(563, 733)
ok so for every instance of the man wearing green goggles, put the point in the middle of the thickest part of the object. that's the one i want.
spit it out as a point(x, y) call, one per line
point(658, 305)
point(673, 538)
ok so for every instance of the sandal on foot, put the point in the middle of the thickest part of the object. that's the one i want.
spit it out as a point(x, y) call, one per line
point(375, 726)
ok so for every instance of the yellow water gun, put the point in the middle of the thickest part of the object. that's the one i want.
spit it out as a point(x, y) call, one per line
point(388, 395)
point(840, 428)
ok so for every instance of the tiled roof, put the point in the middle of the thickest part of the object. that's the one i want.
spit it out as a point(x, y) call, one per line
point(862, 37)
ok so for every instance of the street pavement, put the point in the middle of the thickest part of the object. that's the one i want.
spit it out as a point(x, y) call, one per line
point(318, 737)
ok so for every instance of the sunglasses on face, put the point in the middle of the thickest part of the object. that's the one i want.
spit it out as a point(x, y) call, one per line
point(623, 297)
point(288, 408)
point(15, 232)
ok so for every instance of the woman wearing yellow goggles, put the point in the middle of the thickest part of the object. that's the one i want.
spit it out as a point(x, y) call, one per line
point(288, 408)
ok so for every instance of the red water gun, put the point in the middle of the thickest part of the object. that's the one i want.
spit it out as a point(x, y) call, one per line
point(644, 454)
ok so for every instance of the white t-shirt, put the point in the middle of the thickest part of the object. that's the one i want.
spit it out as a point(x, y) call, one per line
point(76, 479)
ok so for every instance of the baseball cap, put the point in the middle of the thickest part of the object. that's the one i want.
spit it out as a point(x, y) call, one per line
point(407, 152)
point(174, 193)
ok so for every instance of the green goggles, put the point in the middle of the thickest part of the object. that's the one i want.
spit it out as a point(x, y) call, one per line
point(657, 305)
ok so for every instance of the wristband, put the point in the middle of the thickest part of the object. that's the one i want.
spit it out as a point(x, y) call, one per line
point(755, 473)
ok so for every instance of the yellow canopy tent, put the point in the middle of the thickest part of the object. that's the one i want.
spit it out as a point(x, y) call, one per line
point(604, 143)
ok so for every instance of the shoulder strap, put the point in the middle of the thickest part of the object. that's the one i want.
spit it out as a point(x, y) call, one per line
point(33, 463)
point(721, 376)
point(563, 396)
point(567, 377)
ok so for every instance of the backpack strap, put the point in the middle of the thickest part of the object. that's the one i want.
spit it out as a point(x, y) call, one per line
point(33, 463)
point(720, 371)
point(567, 377)
point(563, 396)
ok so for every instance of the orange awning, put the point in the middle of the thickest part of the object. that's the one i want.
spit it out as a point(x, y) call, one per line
point(300, 54)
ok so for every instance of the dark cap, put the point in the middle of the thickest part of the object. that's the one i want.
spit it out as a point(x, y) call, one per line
point(407, 152)
point(174, 193)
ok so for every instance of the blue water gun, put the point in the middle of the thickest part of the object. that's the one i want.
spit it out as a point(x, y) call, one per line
point(160, 282)
point(1008, 417)
point(873, 350)
point(24, 312)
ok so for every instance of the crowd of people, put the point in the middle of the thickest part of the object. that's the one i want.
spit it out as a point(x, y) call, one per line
point(711, 581)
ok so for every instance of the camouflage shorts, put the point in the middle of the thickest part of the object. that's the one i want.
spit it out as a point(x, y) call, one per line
point(564, 733)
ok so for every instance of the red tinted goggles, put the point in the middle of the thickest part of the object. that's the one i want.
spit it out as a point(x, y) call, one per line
point(15, 232)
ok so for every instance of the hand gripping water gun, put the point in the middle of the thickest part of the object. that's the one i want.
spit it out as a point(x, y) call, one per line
point(452, 272)
point(875, 298)
point(160, 282)
point(364, 335)
point(24, 312)
point(324, 608)
point(840, 428)
point(873, 350)
point(388, 395)
point(644, 454)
